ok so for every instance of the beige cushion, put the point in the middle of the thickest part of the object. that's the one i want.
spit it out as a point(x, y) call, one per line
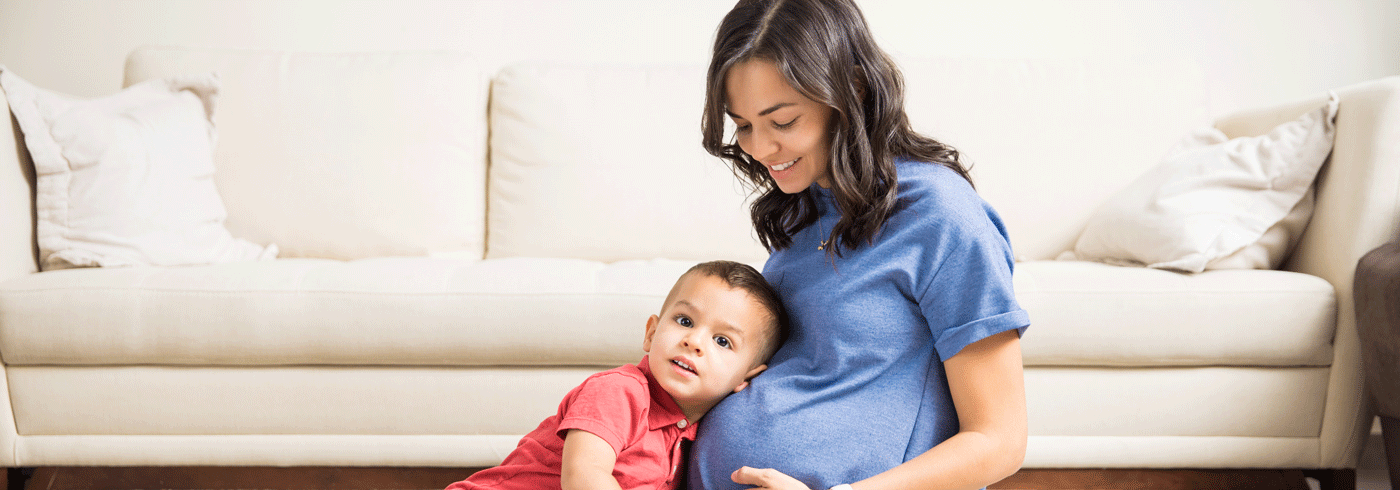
point(310, 400)
point(1213, 199)
point(127, 179)
point(605, 163)
point(385, 311)
point(1091, 314)
point(419, 311)
point(345, 156)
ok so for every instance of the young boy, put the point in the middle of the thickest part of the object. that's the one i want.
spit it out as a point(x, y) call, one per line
point(623, 428)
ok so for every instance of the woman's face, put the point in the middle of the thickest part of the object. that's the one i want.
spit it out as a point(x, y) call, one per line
point(778, 126)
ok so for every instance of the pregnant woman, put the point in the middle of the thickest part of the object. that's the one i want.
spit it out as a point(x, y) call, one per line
point(903, 370)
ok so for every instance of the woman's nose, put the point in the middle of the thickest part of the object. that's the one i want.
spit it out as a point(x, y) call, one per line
point(762, 145)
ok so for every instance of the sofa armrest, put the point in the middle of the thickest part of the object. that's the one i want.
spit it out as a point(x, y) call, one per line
point(1358, 209)
point(18, 251)
point(1358, 191)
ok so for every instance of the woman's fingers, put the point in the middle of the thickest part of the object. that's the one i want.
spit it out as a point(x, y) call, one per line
point(766, 478)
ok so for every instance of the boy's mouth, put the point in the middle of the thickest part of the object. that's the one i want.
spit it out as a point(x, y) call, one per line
point(680, 362)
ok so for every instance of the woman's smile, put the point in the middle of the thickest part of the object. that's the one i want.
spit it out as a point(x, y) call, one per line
point(782, 171)
point(774, 121)
point(783, 166)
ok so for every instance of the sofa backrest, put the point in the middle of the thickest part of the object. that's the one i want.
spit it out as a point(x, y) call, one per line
point(1050, 140)
point(605, 162)
point(345, 156)
point(360, 155)
point(18, 251)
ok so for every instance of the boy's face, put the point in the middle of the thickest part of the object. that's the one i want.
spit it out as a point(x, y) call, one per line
point(707, 342)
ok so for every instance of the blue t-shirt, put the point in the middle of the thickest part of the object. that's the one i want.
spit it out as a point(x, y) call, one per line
point(859, 387)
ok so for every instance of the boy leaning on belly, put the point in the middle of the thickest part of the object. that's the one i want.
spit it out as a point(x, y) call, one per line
point(623, 428)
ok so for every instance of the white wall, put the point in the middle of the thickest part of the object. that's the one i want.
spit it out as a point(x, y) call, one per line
point(1255, 52)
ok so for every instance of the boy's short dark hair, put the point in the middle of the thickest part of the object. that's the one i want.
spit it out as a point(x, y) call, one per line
point(745, 277)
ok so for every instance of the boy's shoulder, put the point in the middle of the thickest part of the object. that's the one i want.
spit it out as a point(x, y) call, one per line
point(625, 381)
point(620, 374)
point(617, 405)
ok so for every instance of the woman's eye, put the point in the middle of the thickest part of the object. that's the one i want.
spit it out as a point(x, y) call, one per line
point(684, 321)
point(785, 125)
point(742, 128)
point(722, 342)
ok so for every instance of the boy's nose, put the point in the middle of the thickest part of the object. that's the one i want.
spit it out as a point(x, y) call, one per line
point(695, 343)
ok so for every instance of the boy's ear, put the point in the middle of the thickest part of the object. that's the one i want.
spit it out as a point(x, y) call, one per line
point(748, 376)
point(651, 330)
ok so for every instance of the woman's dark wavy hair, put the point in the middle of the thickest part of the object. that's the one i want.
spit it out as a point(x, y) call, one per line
point(824, 49)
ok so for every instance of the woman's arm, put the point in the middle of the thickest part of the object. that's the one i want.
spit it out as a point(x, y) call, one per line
point(989, 391)
point(587, 463)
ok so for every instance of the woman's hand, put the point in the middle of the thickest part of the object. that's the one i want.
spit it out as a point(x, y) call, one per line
point(766, 478)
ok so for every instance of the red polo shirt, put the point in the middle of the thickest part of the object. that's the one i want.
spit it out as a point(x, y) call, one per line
point(623, 406)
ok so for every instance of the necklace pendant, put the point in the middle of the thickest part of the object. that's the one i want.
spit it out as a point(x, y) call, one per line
point(822, 246)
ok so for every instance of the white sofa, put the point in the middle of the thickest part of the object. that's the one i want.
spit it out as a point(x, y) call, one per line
point(460, 246)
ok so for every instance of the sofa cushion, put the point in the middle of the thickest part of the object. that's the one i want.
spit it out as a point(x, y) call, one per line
point(1092, 314)
point(345, 156)
point(404, 311)
point(437, 312)
point(605, 163)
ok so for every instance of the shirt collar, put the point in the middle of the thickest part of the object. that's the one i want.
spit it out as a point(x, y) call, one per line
point(664, 409)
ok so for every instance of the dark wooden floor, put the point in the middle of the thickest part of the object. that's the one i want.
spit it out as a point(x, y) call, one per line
point(335, 478)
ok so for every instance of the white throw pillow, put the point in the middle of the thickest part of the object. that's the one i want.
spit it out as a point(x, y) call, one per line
point(1215, 202)
point(127, 179)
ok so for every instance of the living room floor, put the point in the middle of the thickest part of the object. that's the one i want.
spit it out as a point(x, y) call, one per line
point(1371, 474)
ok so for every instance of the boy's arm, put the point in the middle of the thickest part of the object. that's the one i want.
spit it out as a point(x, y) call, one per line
point(587, 462)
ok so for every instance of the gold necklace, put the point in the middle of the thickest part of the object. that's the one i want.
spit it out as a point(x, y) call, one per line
point(821, 224)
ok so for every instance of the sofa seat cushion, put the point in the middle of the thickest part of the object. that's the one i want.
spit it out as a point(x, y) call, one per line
point(537, 312)
point(1092, 314)
point(387, 311)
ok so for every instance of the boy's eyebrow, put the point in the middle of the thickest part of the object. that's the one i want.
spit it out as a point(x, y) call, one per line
point(764, 112)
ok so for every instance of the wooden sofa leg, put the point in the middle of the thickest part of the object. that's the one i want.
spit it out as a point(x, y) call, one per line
point(1343, 479)
point(18, 477)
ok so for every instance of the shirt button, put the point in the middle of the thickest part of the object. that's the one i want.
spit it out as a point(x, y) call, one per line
point(682, 424)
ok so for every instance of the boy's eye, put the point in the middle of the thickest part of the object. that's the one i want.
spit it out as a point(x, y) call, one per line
point(722, 342)
point(684, 321)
